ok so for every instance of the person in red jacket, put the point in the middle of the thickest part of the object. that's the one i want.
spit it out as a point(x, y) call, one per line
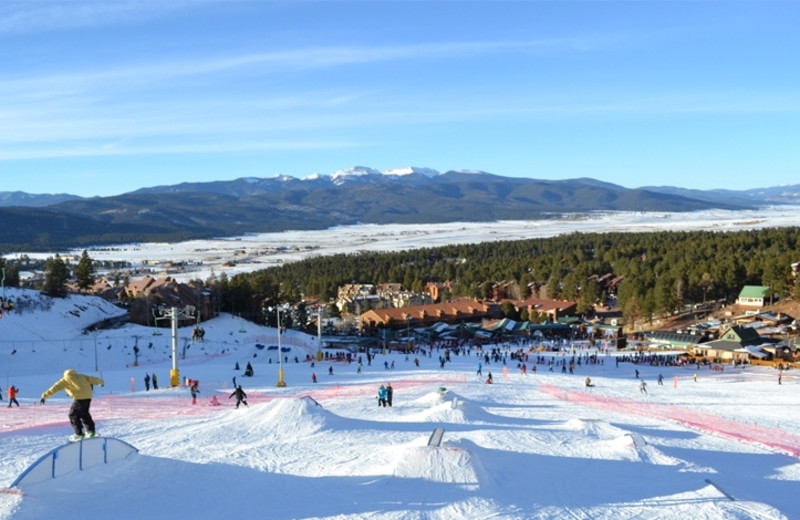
point(12, 395)
point(79, 387)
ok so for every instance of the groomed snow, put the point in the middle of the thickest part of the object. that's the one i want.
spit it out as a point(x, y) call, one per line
point(526, 447)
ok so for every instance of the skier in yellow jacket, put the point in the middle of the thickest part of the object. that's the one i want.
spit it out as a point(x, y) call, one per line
point(79, 388)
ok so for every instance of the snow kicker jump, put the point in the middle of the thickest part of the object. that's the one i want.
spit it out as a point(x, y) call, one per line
point(75, 456)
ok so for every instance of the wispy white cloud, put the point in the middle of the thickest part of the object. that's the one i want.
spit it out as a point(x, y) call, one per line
point(32, 16)
point(125, 148)
point(267, 63)
point(321, 120)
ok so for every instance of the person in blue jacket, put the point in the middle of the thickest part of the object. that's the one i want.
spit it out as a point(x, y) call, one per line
point(381, 395)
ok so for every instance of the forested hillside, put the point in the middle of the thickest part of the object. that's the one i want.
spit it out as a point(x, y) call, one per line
point(661, 270)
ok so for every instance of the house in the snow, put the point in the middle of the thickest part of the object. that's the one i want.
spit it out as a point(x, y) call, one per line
point(742, 344)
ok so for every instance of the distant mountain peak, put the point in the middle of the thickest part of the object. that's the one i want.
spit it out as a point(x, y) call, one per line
point(411, 170)
point(355, 171)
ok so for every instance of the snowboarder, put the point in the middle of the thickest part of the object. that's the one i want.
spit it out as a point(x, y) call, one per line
point(248, 371)
point(381, 395)
point(389, 393)
point(79, 388)
point(146, 382)
point(588, 381)
point(241, 397)
point(12, 395)
point(489, 379)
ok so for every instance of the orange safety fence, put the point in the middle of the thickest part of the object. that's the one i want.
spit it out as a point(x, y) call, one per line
point(153, 406)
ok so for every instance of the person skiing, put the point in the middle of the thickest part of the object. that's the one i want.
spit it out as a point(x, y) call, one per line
point(79, 387)
point(154, 379)
point(12, 395)
point(660, 380)
point(146, 382)
point(389, 393)
point(195, 391)
point(381, 395)
point(241, 397)
point(643, 387)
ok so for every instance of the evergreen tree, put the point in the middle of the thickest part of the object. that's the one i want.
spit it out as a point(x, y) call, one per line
point(509, 311)
point(590, 294)
point(55, 277)
point(9, 272)
point(12, 276)
point(85, 272)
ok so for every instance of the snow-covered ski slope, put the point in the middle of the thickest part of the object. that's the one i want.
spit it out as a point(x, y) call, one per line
point(524, 447)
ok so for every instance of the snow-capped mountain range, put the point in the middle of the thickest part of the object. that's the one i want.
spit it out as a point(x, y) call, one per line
point(362, 173)
point(354, 195)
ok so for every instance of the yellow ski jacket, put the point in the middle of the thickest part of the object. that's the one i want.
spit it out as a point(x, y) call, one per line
point(77, 386)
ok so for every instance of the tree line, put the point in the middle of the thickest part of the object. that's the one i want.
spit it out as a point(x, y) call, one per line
point(661, 271)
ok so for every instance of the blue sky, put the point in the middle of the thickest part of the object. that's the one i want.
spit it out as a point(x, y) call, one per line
point(104, 97)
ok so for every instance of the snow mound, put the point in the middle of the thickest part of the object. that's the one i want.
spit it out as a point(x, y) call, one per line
point(302, 416)
point(452, 408)
point(439, 413)
point(435, 464)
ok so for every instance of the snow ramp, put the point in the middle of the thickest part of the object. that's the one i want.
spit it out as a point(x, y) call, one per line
point(75, 456)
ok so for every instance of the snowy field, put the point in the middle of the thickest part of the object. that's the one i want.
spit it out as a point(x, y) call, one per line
point(540, 445)
point(234, 255)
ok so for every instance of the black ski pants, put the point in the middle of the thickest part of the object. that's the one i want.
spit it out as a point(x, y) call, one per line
point(79, 416)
